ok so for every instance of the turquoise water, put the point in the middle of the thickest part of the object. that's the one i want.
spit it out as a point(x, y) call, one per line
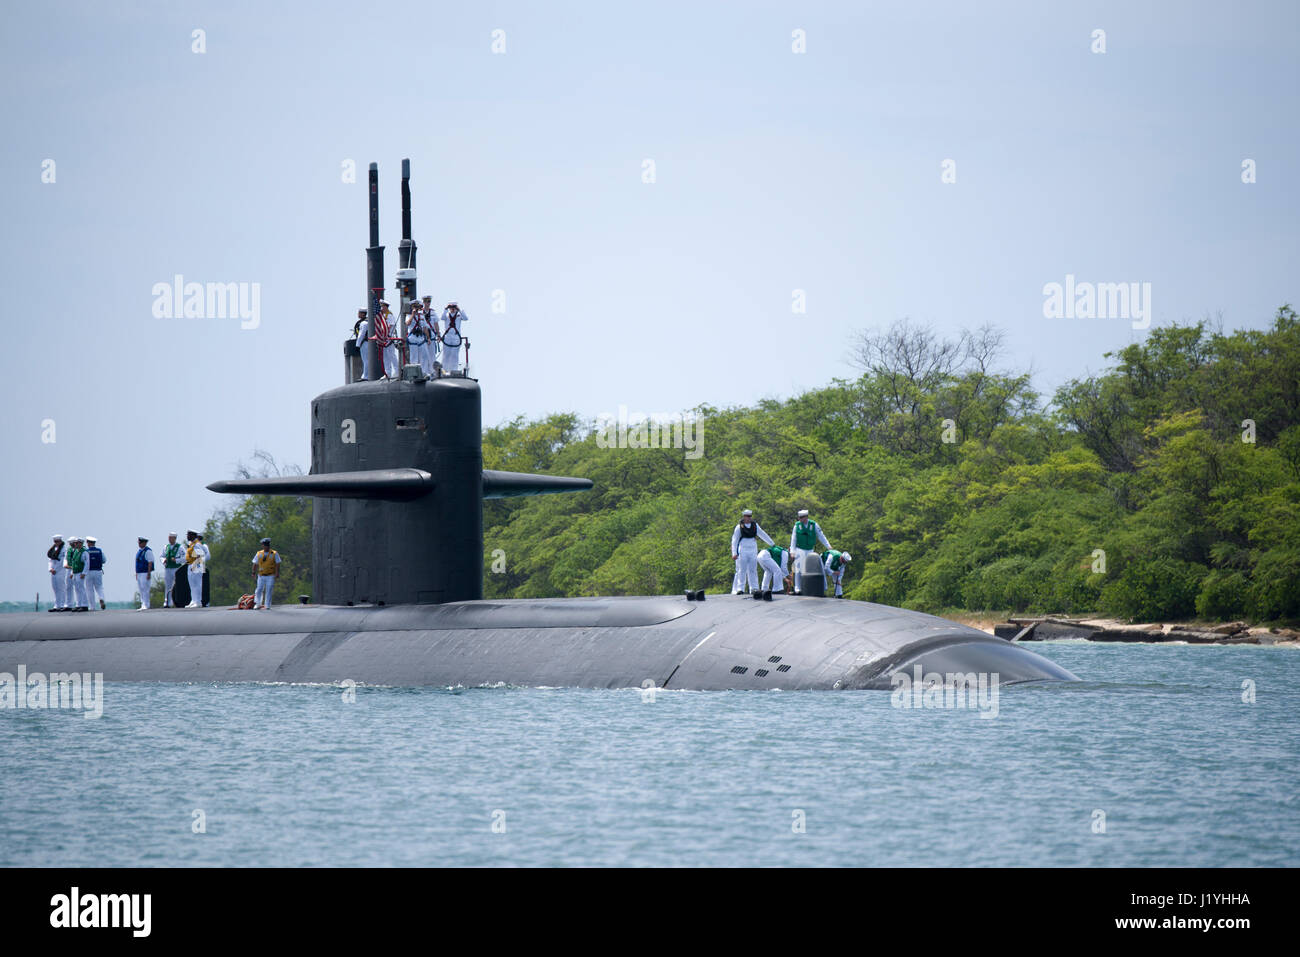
point(1158, 738)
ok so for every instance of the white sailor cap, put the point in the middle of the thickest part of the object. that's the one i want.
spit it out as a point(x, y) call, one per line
point(171, 534)
point(747, 511)
point(846, 556)
point(58, 538)
point(91, 538)
point(190, 531)
point(803, 513)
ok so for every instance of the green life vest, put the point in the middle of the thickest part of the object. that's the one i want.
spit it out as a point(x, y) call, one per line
point(832, 559)
point(776, 551)
point(805, 535)
point(77, 560)
point(171, 555)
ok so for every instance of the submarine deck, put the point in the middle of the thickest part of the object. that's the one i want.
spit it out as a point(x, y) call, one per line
point(725, 642)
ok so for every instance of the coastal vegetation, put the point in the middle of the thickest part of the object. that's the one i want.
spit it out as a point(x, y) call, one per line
point(235, 532)
point(1166, 487)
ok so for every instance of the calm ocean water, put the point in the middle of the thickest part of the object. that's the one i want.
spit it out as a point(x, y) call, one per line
point(1157, 739)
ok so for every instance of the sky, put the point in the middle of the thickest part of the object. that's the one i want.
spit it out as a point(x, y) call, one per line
point(652, 206)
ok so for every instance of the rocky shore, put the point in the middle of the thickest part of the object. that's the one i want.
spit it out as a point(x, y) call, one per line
point(1105, 629)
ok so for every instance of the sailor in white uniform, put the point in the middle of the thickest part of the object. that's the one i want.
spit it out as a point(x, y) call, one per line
point(803, 541)
point(453, 324)
point(196, 556)
point(774, 568)
point(95, 573)
point(744, 551)
point(59, 579)
point(435, 335)
point(74, 560)
point(385, 329)
point(362, 330)
point(173, 559)
point(144, 565)
point(419, 336)
point(834, 563)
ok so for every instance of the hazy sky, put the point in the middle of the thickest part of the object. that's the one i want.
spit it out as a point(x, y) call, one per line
point(774, 171)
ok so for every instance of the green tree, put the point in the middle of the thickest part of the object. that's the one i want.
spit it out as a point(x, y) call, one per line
point(233, 534)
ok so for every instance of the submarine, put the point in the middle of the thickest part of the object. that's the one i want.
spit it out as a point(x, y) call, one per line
point(398, 487)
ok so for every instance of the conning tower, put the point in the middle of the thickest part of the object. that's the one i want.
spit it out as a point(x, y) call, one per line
point(397, 472)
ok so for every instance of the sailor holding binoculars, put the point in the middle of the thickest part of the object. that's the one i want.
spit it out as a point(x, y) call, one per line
point(420, 336)
point(453, 323)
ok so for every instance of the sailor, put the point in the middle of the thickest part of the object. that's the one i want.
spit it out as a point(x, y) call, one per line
point(94, 573)
point(383, 337)
point(362, 332)
point(173, 557)
point(435, 343)
point(266, 567)
point(737, 579)
point(775, 564)
point(419, 336)
point(453, 324)
point(834, 563)
point(744, 551)
point(143, 571)
point(74, 560)
point(803, 541)
point(196, 557)
point(58, 574)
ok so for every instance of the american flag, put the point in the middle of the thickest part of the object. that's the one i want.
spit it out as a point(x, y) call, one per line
point(382, 333)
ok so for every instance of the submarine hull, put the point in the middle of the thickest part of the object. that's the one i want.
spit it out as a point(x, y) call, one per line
point(726, 642)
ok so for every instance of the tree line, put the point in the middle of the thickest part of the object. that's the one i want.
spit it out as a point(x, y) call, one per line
point(235, 532)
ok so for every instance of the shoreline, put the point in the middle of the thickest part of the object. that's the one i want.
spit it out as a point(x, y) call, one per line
point(1056, 627)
